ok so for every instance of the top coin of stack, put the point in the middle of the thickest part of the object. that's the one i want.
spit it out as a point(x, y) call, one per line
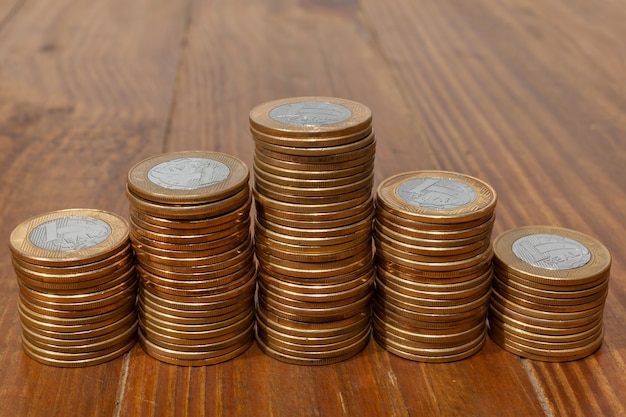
point(190, 227)
point(313, 171)
point(549, 291)
point(76, 274)
point(432, 234)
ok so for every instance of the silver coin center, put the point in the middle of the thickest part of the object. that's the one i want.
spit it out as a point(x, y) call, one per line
point(188, 173)
point(310, 113)
point(436, 193)
point(551, 251)
point(70, 234)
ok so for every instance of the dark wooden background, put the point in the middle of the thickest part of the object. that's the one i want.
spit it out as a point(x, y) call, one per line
point(529, 96)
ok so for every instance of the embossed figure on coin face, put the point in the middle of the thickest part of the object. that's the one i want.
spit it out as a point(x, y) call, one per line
point(70, 234)
point(551, 252)
point(436, 193)
point(188, 173)
point(310, 113)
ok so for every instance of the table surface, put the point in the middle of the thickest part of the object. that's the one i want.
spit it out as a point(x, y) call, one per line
point(529, 96)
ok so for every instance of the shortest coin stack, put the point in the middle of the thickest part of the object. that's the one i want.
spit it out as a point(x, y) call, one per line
point(78, 286)
point(190, 228)
point(432, 236)
point(549, 290)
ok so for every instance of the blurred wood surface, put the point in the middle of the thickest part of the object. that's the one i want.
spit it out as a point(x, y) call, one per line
point(529, 96)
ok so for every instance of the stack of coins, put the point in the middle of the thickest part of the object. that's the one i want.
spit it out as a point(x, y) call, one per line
point(432, 234)
point(549, 292)
point(313, 190)
point(190, 227)
point(77, 281)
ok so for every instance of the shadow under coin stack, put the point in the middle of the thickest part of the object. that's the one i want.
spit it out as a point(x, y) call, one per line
point(432, 234)
point(549, 292)
point(190, 227)
point(313, 191)
point(77, 281)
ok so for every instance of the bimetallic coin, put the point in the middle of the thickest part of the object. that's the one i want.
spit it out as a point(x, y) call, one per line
point(552, 255)
point(69, 237)
point(190, 177)
point(310, 118)
point(436, 197)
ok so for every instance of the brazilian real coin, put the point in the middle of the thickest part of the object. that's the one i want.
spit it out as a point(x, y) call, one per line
point(436, 197)
point(69, 237)
point(189, 177)
point(310, 121)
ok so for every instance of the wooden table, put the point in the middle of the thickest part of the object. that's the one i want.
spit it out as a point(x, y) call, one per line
point(529, 96)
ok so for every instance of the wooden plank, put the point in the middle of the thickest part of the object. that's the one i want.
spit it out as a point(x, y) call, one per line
point(85, 88)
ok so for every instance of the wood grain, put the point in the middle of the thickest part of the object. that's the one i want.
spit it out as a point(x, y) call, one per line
point(528, 96)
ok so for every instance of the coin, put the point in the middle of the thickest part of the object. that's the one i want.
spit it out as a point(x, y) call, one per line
point(310, 119)
point(69, 237)
point(552, 255)
point(189, 177)
point(436, 197)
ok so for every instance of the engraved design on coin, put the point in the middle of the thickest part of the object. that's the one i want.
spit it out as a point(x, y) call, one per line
point(188, 173)
point(310, 113)
point(551, 252)
point(436, 193)
point(70, 234)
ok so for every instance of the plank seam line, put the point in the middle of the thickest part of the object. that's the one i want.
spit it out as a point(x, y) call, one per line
point(122, 385)
point(184, 40)
point(16, 8)
point(541, 395)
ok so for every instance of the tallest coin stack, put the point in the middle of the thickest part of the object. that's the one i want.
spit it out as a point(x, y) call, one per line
point(313, 171)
